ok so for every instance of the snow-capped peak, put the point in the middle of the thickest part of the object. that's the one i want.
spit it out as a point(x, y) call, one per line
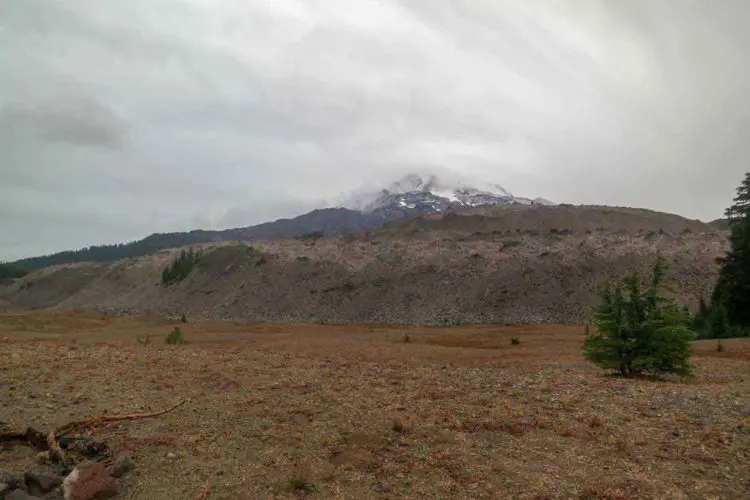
point(415, 183)
point(430, 193)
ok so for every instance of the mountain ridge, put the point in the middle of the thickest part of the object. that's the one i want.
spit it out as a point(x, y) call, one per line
point(485, 264)
point(408, 198)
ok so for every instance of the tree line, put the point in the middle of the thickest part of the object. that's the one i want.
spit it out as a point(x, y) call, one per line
point(728, 312)
point(110, 253)
point(11, 271)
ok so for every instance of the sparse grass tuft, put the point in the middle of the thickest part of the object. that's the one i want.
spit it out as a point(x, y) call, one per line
point(175, 337)
point(407, 339)
point(301, 480)
point(401, 426)
point(514, 341)
point(720, 347)
point(596, 421)
point(566, 432)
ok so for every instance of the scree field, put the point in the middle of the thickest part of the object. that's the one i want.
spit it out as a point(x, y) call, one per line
point(327, 411)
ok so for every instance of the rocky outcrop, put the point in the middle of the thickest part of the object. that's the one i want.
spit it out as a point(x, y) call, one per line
point(531, 264)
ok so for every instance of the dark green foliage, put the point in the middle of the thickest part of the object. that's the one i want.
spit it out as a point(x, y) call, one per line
point(640, 331)
point(315, 235)
point(733, 285)
point(699, 320)
point(514, 341)
point(717, 325)
point(175, 337)
point(111, 253)
point(11, 271)
point(180, 267)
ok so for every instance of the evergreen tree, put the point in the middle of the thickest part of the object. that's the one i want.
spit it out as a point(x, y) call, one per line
point(717, 323)
point(640, 331)
point(733, 285)
point(740, 209)
point(180, 267)
point(699, 320)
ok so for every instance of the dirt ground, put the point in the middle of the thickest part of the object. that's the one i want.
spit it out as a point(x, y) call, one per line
point(319, 411)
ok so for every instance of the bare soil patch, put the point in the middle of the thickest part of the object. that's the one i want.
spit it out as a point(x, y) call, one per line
point(291, 410)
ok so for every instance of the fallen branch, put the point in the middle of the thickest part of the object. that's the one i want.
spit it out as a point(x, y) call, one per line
point(53, 436)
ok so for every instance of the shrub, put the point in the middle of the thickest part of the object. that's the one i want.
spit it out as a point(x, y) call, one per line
point(640, 331)
point(315, 235)
point(183, 318)
point(407, 339)
point(720, 347)
point(514, 341)
point(175, 337)
point(180, 267)
point(302, 479)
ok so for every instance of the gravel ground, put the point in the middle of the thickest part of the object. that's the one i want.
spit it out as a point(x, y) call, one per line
point(290, 410)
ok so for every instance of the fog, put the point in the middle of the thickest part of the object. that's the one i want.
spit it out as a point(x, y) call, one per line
point(119, 119)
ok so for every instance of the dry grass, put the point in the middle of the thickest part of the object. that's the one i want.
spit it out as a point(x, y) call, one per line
point(282, 411)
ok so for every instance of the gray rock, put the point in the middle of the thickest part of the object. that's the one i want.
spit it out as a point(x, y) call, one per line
point(12, 480)
point(39, 484)
point(123, 465)
point(21, 495)
point(55, 495)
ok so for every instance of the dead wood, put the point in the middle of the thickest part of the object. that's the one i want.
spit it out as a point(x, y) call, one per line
point(56, 452)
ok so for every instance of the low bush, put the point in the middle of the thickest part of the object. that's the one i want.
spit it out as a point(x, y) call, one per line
point(175, 337)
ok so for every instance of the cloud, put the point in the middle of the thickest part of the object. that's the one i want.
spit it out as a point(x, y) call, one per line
point(121, 119)
point(74, 121)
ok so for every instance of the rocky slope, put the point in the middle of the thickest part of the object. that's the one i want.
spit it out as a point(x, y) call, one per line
point(511, 264)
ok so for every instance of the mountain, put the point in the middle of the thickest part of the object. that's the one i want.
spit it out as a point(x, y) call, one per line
point(721, 224)
point(433, 194)
point(514, 263)
point(408, 198)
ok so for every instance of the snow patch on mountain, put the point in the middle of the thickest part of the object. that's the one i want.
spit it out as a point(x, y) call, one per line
point(431, 193)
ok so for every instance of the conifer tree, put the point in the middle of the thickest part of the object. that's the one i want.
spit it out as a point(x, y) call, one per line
point(732, 289)
point(640, 331)
point(717, 323)
point(699, 320)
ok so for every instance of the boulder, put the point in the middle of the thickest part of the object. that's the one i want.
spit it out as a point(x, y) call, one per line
point(21, 495)
point(123, 465)
point(39, 484)
point(89, 481)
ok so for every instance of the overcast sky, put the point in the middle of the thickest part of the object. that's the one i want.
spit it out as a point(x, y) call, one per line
point(122, 118)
